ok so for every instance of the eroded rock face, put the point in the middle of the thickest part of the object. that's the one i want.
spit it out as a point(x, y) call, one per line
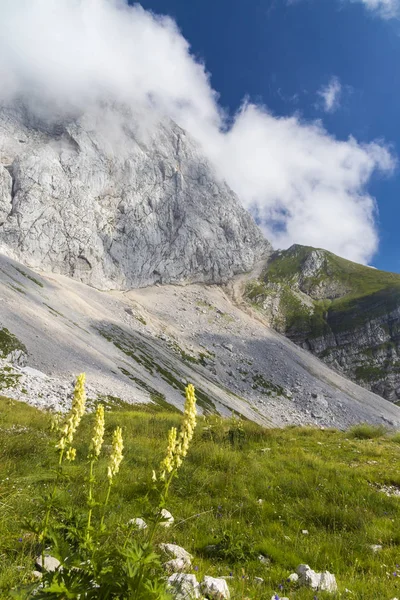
point(5, 193)
point(346, 314)
point(98, 200)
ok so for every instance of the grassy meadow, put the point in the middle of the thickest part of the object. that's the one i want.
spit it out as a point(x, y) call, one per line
point(242, 489)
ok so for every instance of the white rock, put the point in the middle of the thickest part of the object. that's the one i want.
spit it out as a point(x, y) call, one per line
point(183, 587)
point(215, 588)
point(50, 563)
point(324, 582)
point(293, 578)
point(258, 580)
point(37, 574)
point(263, 559)
point(168, 518)
point(328, 582)
point(176, 552)
point(138, 523)
point(176, 565)
point(376, 547)
point(305, 531)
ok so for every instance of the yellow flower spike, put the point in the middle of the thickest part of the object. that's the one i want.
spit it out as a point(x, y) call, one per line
point(178, 445)
point(98, 434)
point(116, 454)
point(76, 413)
point(167, 464)
point(188, 426)
point(71, 454)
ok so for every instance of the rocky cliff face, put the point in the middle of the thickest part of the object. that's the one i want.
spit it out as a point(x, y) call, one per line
point(346, 314)
point(100, 201)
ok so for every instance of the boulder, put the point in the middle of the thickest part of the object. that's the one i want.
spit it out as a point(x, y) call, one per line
point(183, 586)
point(138, 523)
point(323, 582)
point(50, 563)
point(216, 588)
point(175, 551)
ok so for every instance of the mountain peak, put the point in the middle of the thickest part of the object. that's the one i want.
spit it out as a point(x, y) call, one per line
point(116, 204)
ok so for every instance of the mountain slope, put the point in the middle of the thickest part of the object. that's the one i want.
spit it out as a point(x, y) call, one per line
point(116, 204)
point(143, 345)
point(345, 313)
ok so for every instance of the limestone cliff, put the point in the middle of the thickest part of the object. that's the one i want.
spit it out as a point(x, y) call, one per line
point(346, 314)
point(117, 205)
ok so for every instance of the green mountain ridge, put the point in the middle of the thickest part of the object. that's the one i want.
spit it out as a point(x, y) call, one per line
point(345, 313)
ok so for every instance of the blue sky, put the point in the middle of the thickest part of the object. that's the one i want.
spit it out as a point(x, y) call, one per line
point(281, 54)
point(293, 102)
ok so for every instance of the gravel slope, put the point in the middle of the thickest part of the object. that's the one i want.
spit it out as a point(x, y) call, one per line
point(145, 343)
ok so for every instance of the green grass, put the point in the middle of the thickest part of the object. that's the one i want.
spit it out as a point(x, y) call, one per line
point(341, 296)
point(9, 343)
point(243, 489)
point(365, 431)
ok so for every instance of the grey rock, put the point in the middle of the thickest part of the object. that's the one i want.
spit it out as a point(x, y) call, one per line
point(138, 523)
point(176, 552)
point(213, 587)
point(33, 372)
point(50, 563)
point(323, 582)
point(37, 574)
point(100, 201)
point(183, 586)
point(176, 565)
point(168, 519)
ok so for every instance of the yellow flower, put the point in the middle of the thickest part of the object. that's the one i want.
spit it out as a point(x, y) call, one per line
point(116, 454)
point(167, 464)
point(75, 415)
point(98, 433)
point(71, 454)
point(178, 445)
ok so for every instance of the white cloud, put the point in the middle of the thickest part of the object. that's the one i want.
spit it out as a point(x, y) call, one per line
point(387, 9)
point(330, 95)
point(302, 184)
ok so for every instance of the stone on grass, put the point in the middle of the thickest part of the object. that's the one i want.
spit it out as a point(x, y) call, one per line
point(176, 552)
point(50, 563)
point(323, 582)
point(375, 547)
point(138, 523)
point(176, 565)
point(183, 587)
point(37, 574)
point(293, 578)
point(212, 587)
point(258, 580)
point(168, 519)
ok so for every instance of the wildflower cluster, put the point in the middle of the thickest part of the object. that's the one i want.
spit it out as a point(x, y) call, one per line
point(77, 410)
point(116, 454)
point(178, 445)
point(98, 434)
